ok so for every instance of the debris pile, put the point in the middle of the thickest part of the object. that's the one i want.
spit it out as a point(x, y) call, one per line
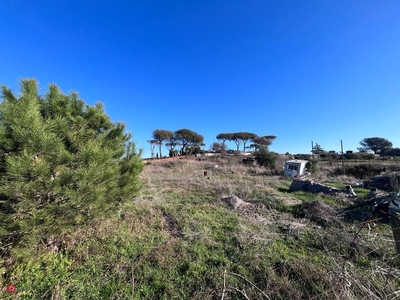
point(387, 182)
point(318, 212)
point(307, 185)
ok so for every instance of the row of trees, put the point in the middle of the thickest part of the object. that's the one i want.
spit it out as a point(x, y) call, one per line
point(192, 142)
point(189, 141)
point(243, 138)
point(377, 145)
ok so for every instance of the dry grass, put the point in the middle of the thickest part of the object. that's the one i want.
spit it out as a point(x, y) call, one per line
point(263, 225)
point(224, 177)
point(236, 233)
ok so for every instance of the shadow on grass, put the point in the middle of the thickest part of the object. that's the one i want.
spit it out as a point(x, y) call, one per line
point(283, 190)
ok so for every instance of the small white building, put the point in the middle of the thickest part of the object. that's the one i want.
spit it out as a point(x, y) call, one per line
point(295, 168)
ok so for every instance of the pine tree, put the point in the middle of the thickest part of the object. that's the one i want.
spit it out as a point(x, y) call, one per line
point(62, 162)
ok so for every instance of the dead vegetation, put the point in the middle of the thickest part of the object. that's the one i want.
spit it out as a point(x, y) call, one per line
point(172, 226)
point(320, 213)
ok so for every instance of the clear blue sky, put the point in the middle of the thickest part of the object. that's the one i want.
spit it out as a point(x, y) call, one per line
point(320, 71)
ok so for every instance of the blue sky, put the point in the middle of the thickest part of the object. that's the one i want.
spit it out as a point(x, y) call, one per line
point(321, 71)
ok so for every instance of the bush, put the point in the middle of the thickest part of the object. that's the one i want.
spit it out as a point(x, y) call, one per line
point(354, 156)
point(312, 166)
point(265, 158)
point(363, 171)
point(303, 156)
point(391, 152)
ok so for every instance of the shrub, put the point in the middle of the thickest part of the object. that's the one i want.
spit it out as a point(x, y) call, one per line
point(265, 158)
point(363, 171)
point(312, 166)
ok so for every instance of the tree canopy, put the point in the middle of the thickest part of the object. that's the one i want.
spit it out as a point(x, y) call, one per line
point(217, 147)
point(62, 162)
point(375, 144)
point(263, 141)
point(243, 137)
point(161, 135)
point(153, 144)
point(188, 139)
point(317, 149)
point(224, 137)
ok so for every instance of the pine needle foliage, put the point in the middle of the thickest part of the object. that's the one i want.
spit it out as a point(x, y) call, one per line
point(62, 162)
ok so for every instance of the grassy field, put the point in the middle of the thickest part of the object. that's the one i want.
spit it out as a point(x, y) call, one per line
point(236, 233)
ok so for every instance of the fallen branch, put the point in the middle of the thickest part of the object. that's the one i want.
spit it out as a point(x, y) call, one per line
point(248, 281)
point(223, 291)
point(133, 285)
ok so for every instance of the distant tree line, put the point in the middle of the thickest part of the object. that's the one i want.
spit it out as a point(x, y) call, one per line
point(185, 141)
point(377, 145)
point(190, 142)
point(239, 138)
point(259, 144)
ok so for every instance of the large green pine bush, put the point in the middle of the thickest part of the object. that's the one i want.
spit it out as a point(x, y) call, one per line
point(62, 162)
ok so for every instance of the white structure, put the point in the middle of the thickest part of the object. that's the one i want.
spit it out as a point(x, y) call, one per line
point(296, 167)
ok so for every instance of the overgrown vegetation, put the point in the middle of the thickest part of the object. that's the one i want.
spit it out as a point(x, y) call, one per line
point(179, 239)
point(366, 171)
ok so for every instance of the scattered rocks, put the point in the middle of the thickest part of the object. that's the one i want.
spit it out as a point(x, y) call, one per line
point(236, 203)
point(53, 244)
point(308, 185)
point(313, 187)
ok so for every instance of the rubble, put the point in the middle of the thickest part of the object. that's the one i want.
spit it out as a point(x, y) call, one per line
point(386, 182)
point(235, 202)
point(307, 185)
